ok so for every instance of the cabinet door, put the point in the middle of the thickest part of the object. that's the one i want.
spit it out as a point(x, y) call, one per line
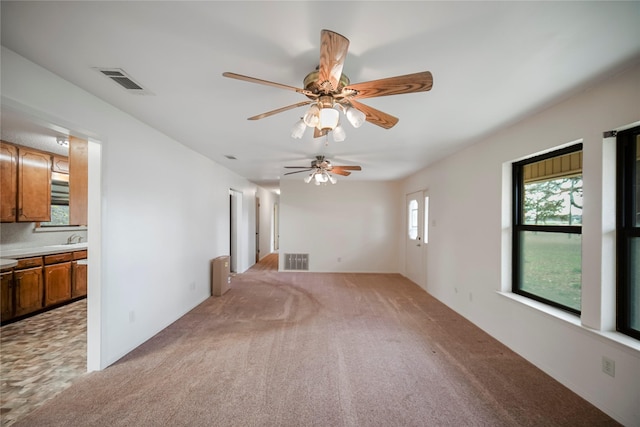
point(34, 186)
point(28, 290)
point(6, 295)
point(78, 280)
point(8, 182)
point(78, 180)
point(60, 164)
point(57, 283)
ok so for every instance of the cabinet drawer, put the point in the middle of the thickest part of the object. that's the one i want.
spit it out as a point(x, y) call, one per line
point(54, 259)
point(79, 255)
point(29, 262)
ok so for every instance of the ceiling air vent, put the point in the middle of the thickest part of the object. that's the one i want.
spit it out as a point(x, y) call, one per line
point(119, 76)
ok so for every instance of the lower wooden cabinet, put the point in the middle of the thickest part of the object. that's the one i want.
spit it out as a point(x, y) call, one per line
point(28, 288)
point(78, 279)
point(6, 295)
point(42, 282)
point(57, 283)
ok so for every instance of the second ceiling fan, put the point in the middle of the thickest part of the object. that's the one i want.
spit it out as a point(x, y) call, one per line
point(329, 90)
point(321, 170)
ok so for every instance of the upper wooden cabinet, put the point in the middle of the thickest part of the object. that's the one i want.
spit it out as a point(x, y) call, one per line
point(8, 182)
point(60, 164)
point(26, 184)
point(26, 175)
point(78, 180)
point(34, 185)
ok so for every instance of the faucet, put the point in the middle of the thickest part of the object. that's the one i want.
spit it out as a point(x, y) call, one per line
point(72, 237)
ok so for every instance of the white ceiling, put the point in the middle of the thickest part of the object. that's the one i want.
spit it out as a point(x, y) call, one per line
point(493, 63)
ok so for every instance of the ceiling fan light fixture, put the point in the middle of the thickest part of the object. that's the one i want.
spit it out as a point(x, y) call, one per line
point(355, 117)
point(309, 178)
point(338, 133)
point(332, 179)
point(298, 129)
point(328, 118)
point(320, 178)
point(312, 116)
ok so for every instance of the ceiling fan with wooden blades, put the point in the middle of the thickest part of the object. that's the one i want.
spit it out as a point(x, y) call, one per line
point(329, 90)
point(321, 171)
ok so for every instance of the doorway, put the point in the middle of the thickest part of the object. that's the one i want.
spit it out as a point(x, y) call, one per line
point(416, 236)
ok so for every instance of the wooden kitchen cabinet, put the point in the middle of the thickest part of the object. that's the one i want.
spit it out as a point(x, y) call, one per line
point(79, 275)
point(39, 283)
point(78, 180)
point(57, 283)
point(78, 280)
point(34, 185)
point(8, 181)
point(60, 164)
point(28, 288)
point(6, 295)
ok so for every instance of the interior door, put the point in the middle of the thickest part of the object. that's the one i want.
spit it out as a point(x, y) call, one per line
point(257, 229)
point(414, 237)
point(276, 227)
point(235, 216)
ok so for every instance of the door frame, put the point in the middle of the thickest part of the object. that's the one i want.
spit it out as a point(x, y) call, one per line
point(418, 273)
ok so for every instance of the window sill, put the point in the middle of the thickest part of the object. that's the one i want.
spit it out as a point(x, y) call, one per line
point(622, 341)
point(59, 228)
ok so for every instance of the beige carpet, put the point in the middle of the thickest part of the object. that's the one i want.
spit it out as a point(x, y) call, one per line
point(307, 349)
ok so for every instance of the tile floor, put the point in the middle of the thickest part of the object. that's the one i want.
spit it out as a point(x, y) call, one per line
point(39, 357)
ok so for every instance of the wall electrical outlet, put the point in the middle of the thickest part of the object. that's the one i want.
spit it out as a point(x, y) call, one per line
point(192, 286)
point(132, 316)
point(608, 366)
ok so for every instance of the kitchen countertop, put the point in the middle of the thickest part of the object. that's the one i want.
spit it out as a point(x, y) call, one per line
point(8, 255)
point(7, 263)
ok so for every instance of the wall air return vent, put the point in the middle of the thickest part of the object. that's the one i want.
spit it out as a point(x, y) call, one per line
point(119, 76)
point(298, 262)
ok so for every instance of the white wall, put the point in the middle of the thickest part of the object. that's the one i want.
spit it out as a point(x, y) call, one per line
point(469, 253)
point(356, 221)
point(164, 212)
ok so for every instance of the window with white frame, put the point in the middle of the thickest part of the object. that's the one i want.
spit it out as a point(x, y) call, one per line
point(412, 221)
